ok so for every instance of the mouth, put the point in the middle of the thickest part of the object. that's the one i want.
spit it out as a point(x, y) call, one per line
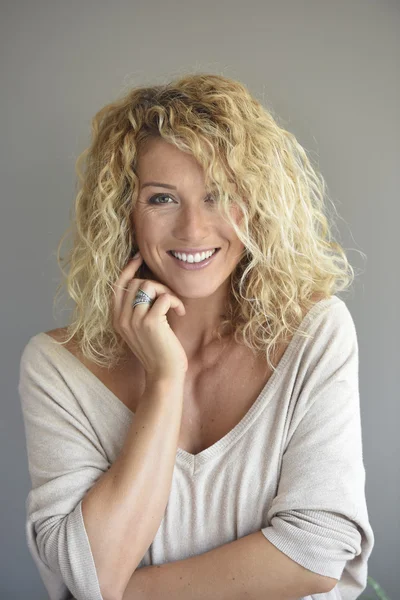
point(170, 252)
point(194, 265)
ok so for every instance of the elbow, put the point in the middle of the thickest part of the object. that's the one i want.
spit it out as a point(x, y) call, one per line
point(322, 584)
point(113, 583)
point(111, 589)
point(318, 584)
point(109, 597)
point(110, 594)
point(329, 583)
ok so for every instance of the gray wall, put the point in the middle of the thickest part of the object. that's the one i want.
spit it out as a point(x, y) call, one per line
point(329, 70)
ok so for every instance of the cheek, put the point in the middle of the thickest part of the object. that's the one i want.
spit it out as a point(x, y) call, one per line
point(237, 215)
point(142, 226)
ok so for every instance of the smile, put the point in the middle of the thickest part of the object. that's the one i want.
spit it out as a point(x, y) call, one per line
point(193, 263)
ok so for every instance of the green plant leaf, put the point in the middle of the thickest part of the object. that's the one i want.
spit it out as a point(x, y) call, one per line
point(377, 588)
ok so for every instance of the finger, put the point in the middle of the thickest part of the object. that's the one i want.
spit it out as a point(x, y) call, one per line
point(160, 288)
point(156, 288)
point(120, 286)
point(129, 297)
point(163, 304)
point(153, 289)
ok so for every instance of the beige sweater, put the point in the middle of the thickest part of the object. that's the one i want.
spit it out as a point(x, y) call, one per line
point(292, 468)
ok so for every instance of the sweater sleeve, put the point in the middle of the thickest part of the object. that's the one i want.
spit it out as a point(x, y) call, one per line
point(319, 516)
point(64, 459)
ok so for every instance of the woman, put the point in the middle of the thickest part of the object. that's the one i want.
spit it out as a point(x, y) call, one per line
point(200, 412)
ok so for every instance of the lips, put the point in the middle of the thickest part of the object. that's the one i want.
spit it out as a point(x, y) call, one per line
point(194, 266)
point(191, 251)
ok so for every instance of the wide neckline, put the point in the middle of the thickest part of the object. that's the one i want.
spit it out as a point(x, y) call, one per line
point(239, 429)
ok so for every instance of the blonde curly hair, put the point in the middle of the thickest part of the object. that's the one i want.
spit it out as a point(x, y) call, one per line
point(251, 163)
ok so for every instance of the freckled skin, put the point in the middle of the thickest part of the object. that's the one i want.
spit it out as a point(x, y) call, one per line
point(184, 217)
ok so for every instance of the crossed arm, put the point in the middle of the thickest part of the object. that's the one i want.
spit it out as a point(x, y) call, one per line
point(250, 567)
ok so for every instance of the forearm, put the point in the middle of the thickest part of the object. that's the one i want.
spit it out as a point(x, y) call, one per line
point(123, 510)
point(250, 567)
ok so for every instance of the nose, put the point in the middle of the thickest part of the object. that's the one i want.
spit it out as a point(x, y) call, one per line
point(192, 223)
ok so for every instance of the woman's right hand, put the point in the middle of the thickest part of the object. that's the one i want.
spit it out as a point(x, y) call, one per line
point(145, 328)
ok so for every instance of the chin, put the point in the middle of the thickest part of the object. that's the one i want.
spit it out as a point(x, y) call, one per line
point(201, 290)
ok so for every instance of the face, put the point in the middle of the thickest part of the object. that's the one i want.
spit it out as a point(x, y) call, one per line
point(176, 214)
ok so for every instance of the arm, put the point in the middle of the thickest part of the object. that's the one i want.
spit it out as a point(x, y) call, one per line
point(69, 468)
point(316, 524)
point(250, 567)
point(132, 495)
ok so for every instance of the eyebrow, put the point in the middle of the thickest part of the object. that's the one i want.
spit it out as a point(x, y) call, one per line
point(158, 184)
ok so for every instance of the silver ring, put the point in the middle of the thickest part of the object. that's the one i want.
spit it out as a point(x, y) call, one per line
point(142, 298)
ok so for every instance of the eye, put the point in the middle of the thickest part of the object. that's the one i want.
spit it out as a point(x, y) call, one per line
point(154, 198)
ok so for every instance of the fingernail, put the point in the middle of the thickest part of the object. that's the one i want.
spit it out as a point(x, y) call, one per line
point(136, 255)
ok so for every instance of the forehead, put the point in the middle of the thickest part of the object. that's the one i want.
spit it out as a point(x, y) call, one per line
point(159, 156)
point(159, 160)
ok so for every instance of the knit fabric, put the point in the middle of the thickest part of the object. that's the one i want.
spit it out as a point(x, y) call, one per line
point(292, 468)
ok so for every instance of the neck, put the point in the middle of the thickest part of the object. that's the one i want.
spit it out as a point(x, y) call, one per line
point(197, 329)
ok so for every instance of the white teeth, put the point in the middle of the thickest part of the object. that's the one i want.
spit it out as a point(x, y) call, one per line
point(193, 257)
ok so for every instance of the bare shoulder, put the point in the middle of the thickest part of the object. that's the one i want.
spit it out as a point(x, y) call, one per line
point(60, 335)
point(57, 334)
point(127, 382)
point(315, 298)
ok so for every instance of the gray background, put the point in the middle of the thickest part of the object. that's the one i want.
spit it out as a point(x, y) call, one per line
point(330, 72)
